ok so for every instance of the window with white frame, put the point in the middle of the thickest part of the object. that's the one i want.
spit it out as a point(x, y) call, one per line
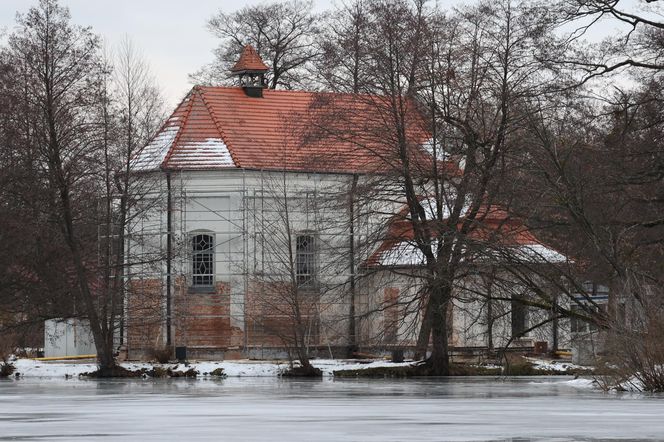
point(202, 259)
point(305, 259)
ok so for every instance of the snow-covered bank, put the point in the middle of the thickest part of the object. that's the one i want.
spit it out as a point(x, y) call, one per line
point(240, 368)
point(236, 368)
point(556, 365)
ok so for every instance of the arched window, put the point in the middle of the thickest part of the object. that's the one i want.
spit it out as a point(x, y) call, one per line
point(202, 259)
point(305, 261)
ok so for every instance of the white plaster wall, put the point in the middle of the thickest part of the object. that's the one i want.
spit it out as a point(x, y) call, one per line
point(469, 316)
point(240, 208)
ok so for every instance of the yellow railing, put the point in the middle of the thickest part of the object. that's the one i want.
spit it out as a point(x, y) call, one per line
point(64, 358)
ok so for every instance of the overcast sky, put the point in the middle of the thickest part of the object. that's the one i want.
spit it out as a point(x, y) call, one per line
point(171, 33)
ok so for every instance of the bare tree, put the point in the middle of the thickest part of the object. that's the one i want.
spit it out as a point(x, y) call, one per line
point(464, 83)
point(283, 33)
point(285, 294)
point(633, 347)
point(596, 175)
point(342, 64)
point(61, 62)
point(637, 42)
point(22, 239)
point(130, 110)
point(78, 154)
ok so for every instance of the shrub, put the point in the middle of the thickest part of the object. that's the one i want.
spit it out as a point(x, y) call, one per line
point(302, 372)
point(517, 367)
point(162, 355)
point(159, 372)
point(116, 372)
point(6, 368)
point(634, 354)
point(191, 373)
point(218, 372)
point(398, 372)
point(168, 372)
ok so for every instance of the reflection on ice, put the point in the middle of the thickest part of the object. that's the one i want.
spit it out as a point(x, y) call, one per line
point(327, 410)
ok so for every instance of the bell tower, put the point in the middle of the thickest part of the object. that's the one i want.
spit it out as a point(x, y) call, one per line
point(250, 71)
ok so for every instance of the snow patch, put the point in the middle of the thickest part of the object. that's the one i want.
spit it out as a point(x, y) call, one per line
point(581, 383)
point(449, 200)
point(441, 154)
point(404, 253)
point(544, 364)
point(209, 152)
point(539, 253)
point(240, 368)
point(152, 155)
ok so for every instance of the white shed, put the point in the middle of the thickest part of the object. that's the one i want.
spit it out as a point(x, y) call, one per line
point(68, 337)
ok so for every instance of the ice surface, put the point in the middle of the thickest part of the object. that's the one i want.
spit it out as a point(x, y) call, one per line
point(259, 409)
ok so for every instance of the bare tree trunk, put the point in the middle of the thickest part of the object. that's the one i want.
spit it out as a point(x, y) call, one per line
point(352, 338)
point(424, 335)
point(438, 363)
point(105, 357)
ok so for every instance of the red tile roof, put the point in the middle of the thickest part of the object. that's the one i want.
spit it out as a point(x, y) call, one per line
point(495, 228)
point(222, 127)
point(249, 61)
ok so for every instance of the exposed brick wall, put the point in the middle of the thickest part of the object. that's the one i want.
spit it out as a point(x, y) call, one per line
point(145, 317)
point(270, 316)
point(204, 319)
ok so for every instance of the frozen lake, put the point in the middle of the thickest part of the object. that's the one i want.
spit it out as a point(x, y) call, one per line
point(259, 409)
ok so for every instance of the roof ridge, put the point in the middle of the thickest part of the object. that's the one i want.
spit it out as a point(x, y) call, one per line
point(298, 91)
point(185, 118)
point(215, 120)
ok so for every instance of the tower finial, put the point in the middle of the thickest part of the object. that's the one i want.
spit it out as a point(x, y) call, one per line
point(250, 71)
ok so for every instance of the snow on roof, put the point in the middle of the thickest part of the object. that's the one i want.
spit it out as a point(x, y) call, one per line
point(152, 156)
point(441, 154)
point(190, 138)
point(211, 152)
point(222, 127)
point(496, 233)
point(539, 253)
point(449, 199)
point(406, 254)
